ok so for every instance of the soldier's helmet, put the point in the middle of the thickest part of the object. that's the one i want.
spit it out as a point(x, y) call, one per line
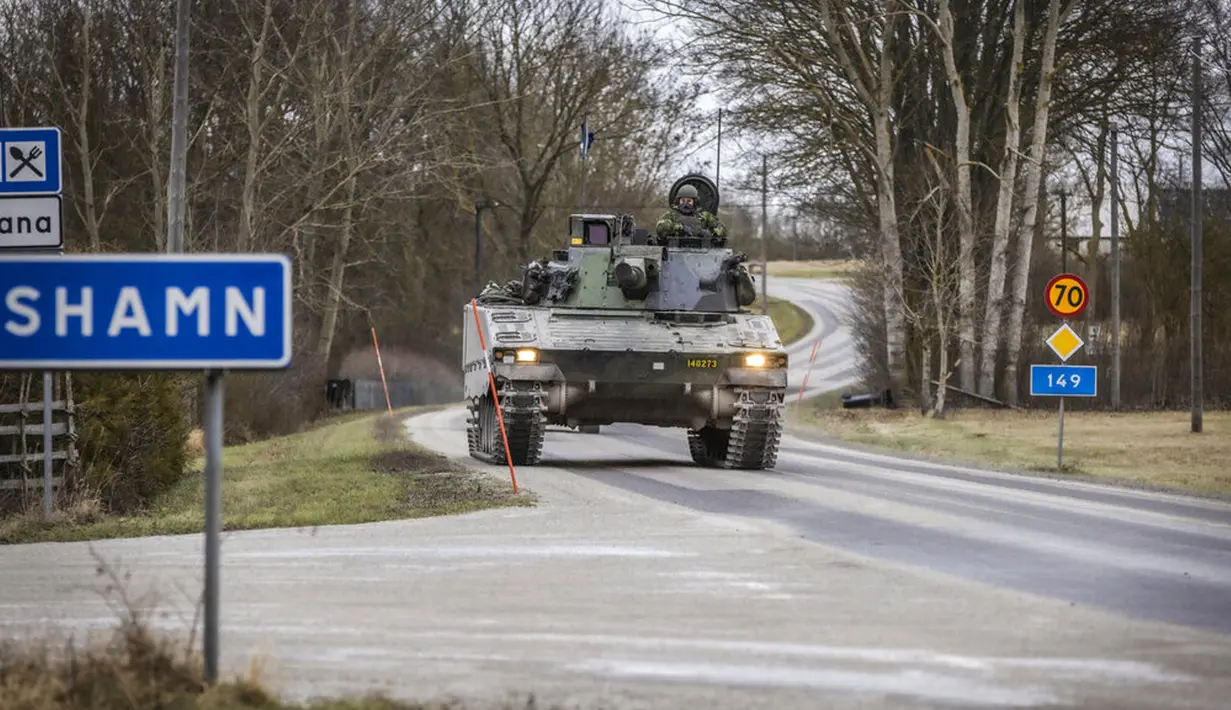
point(686, 199)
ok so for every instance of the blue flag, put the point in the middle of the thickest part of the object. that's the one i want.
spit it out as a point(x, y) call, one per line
point(587, 139)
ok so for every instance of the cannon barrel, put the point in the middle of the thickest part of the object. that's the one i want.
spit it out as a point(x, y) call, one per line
point(631, 277)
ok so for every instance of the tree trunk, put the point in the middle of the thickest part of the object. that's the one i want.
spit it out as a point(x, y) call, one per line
point(1034, 172)
point(1096, 221)
point(252, 118)
point(965, 209)
point(337, 272)
point(994, 312)
point(891, 245)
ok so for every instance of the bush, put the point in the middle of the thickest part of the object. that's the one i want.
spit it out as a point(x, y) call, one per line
point(866, 319)
point(259, 405)
point(133, 436)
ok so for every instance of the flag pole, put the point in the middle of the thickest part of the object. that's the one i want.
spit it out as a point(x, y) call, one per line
point(584, 151)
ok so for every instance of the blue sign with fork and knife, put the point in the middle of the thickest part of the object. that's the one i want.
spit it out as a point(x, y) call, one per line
point(31, 160)
point(31, 179)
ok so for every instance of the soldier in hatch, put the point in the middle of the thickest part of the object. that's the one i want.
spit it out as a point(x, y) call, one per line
point(687, 217)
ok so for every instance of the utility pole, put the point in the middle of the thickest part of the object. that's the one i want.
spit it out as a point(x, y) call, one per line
point(479, 206)
point(764, 235)
point(214, 379)
point(176, 183)
point(1115, 271)
point(718, 162)
point(1196, 229)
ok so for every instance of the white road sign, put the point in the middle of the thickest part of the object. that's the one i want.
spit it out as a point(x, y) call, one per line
point(30, 222)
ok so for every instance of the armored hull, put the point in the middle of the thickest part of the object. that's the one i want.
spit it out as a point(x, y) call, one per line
point(722, 378)
point(625, 327)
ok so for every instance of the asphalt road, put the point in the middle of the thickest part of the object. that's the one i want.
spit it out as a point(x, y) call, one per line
point(840, 579)
point(831, 366)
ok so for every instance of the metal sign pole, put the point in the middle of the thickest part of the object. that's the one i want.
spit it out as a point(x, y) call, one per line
point(214, 390)
point(47, 444)
point(1060, 441)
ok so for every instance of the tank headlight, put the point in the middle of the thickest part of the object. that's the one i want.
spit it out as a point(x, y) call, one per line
point(754, 360)
point(527, 355)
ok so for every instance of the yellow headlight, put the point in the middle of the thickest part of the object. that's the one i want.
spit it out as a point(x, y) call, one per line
point(527, 355)
point(754, 360)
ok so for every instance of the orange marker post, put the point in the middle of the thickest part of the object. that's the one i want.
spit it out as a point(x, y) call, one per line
point(491, 377)
point(804, 385)
point(381, 365)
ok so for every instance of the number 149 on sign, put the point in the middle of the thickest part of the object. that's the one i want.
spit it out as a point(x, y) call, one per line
point(1063, 381)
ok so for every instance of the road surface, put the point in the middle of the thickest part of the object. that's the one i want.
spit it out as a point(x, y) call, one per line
point(833, 364)
point(841, 579)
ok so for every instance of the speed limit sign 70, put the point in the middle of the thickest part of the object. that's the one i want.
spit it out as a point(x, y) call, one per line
point(1067, 295)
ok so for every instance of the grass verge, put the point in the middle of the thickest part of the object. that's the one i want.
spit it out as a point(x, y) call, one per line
point(1152, 450)
point(356, 468)
point(791, 321)
point(839, 269)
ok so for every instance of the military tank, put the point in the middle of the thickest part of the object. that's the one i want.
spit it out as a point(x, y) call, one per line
point(625, 326)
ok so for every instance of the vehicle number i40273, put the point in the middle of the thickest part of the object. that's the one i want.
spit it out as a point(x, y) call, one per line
point(703, 362)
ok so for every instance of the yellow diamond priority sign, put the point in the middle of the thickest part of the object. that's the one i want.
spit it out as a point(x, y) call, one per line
point(1064, 342)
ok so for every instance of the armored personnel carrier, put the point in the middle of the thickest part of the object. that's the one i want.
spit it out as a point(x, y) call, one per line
point(625, 326)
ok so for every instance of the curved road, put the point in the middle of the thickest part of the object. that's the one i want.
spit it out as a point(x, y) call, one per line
point(833, 365)
point(840, 579)
point(1135, 555)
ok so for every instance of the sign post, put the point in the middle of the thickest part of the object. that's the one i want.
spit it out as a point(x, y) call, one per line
point(30, 221)
point(211, 312)
point(1066, 296)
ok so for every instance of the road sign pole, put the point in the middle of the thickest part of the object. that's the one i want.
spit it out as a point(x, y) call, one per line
point(1060, 441)
point(47, 444)
point(214, 389)
point(1066, 296)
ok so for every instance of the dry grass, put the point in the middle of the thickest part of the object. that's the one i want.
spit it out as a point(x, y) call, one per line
point(355, 468)
point(814, 269)
point(1148, 449)
point(791, 321)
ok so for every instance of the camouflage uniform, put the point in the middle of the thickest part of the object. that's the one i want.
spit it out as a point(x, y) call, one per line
point(674, 224)
point(684, 220)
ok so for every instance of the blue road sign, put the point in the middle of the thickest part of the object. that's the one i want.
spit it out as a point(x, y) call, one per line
point(31, 161)
point(145, 312)
point(1063, 381)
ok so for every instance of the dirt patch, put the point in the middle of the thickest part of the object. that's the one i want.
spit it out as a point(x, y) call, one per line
point(409, 462)
point(434, 483)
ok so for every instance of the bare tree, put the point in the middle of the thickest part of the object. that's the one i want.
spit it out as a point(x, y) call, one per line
point(544, 67)
point(964, 199)
point(1034, 172)
point(994, 311)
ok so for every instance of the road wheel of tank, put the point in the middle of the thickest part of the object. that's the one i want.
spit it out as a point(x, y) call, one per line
point(708, 446)
point(589, 428)
point(756, 428)
point(474, 431)
point(523, 407)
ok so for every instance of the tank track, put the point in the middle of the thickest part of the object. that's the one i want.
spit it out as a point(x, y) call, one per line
point(523, 406)
point(752, 441)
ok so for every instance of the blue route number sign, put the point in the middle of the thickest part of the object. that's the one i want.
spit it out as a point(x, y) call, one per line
point(1063, 381)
